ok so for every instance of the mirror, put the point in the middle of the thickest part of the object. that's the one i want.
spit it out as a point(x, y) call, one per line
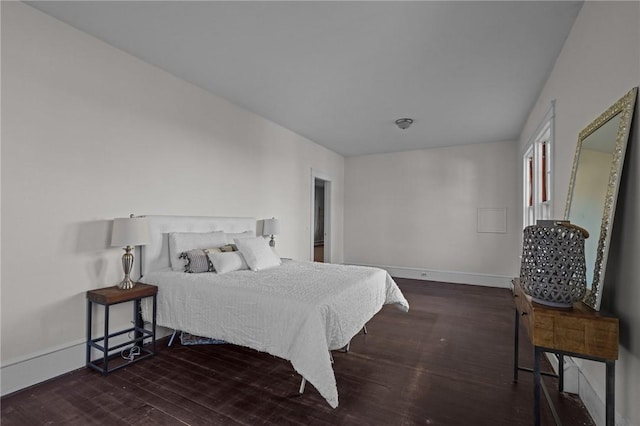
point(593, 188)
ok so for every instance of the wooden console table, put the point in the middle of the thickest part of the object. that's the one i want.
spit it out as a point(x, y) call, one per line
point(579, 332)
point(112, 296)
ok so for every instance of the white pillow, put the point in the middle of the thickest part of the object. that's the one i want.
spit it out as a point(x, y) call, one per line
point(246, 234)
point(227, 261)
point(184, 241)
point(257, 253)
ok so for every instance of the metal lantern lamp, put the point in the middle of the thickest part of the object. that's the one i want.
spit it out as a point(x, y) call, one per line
point(128, 233)
point(553, 269)
point(271, 227)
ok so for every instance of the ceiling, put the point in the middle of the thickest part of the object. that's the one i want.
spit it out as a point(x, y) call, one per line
point(341, 73)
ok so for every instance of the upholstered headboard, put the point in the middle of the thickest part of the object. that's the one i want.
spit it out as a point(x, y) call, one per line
point(155, 255)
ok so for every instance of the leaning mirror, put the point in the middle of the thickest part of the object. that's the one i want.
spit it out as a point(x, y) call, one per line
point(593, 188)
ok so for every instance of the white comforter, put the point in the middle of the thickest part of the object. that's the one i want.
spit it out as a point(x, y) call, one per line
point(298, 311)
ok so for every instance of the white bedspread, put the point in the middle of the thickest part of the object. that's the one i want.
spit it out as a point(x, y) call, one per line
point(298, 311)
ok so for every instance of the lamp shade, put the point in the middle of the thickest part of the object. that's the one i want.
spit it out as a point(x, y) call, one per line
point(271, 227)
point(130, 231)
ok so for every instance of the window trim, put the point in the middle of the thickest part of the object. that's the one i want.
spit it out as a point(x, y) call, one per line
point(539, 153)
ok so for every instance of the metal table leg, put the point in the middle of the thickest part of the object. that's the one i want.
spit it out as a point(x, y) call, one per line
point(153, 324)
point(89, 327)
point(536, 385)
point(610, 392)
point(105, 365)
point(138, 322)
point(516, 339)
point(560, 373)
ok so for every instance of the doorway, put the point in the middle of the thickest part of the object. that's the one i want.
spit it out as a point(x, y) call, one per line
point(320, 217)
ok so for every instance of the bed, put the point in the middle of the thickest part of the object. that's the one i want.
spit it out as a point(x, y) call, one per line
point(298, 311)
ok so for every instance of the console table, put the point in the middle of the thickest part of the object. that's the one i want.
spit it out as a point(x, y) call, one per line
point(111, 296)
point(579, 332)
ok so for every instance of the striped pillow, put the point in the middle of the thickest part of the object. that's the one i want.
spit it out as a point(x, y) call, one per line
point(197, 261)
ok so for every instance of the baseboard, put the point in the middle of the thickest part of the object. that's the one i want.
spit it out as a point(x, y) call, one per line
point(593, 399)
point(571, 372)
point(486, 280)
point(38, 367)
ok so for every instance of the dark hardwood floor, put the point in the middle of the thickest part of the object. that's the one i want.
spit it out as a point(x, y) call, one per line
point(447, 362)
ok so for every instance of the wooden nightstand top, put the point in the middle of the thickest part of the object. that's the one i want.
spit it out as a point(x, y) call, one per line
point(580, 330)
point(113, 295)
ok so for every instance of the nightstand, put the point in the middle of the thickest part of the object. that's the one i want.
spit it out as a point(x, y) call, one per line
point(112, 296)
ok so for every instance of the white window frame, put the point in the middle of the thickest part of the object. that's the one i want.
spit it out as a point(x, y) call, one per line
point(541, 207)
point(528, 206)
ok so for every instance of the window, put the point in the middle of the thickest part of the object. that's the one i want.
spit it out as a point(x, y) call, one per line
point(529, 209)
point(537, 173)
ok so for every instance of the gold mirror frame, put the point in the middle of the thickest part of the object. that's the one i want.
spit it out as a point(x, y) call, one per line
point(624, 106)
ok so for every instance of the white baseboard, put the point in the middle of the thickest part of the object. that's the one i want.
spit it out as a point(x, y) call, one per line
point(595, 403)
point(593, 398)
point(38, 367)
point(571, 372)
point(577, 381)
point(486, 280)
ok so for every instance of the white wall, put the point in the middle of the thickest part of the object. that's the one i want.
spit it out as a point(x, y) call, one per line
point(418, 210)
point(599, 63)
point(90, 133)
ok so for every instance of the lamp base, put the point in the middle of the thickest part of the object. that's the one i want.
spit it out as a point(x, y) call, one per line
point(127, 264)
point(126, 284)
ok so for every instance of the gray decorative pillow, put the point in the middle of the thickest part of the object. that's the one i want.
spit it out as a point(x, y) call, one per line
point(197, 261)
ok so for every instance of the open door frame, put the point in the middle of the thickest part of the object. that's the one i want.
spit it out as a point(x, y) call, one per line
point(316, 174)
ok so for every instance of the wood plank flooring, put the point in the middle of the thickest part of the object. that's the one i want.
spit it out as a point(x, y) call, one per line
point(447, 362)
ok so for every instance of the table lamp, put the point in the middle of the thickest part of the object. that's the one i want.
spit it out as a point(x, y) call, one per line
point(129, 232)
point(271, 227)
